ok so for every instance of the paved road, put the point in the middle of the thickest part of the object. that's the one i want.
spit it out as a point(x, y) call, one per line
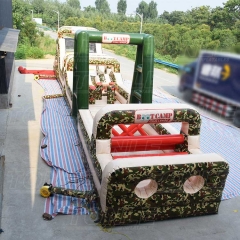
point(25, 172)
point(51, 34)
point(164, 81)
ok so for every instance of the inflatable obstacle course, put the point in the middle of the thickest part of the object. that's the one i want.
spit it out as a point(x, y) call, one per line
point(143, 168)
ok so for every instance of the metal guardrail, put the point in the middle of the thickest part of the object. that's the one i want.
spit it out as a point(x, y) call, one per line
point(172, 65)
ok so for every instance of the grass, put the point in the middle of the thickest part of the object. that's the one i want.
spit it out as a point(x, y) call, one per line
point(46, 46)
point(129, 51)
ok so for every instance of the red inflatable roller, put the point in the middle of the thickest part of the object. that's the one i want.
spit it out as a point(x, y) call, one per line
point(151, 155)
point(145, 143)
point(43, 72)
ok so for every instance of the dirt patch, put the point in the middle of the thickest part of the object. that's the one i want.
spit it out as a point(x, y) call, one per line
point(49, 56)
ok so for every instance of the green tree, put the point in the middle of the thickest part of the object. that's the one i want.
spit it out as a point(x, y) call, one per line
point(28, 33)
point(152, 10)
point(38, 6)
point(122, 7)
point(20, 11)
point(143, 9)
point(199, 15)
point(175, 17)
point(102, 6)
point(233, 7)
point(74, 4)
point(89, 9)
point(22, 21)
point(226, 38)
point(220, 18)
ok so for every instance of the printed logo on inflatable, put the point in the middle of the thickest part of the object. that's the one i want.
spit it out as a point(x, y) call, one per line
point(154, 116)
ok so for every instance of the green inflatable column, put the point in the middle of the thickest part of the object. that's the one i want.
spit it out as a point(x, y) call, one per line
point(80, 72)
point(147, 68)
point(136, 84)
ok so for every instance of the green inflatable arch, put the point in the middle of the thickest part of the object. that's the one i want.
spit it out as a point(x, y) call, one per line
point(142, 84)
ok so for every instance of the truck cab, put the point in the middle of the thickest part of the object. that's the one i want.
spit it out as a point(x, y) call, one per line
point(187, 77)
point(212, 81)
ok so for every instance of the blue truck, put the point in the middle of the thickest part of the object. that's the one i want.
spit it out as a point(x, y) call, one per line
point(213, 81)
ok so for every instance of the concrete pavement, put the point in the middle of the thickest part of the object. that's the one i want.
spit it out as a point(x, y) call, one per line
point(25, 172)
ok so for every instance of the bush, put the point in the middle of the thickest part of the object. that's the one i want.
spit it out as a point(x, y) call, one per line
point(21, 52)
point(35, 52)
point(25, 51)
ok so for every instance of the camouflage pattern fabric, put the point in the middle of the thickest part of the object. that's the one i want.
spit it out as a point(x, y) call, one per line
point(101, 76)
point(91, 148)
point(44, 76)
point(68, 31)
point(112, 76)
point(98, 94)
point(96, 61)
point(122, 92)
point(95, 161)
point(91, 97)
point(56, 60)
point(183, 147)
point(53, 96)
point(64, 31)
point(93, 80)
point(106, 123)
point(170, 200)
point(90, 195)
point(124, 216)
point(160, 129)
point(104, 61)
point(190, 116)
point(70, 64)
point(111, 95)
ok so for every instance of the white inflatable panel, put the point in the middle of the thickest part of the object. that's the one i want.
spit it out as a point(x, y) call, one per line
point(87, 120)
point(70, 79)
point(103, 146)
point(194, 141)
point(104, 159)
point(62, 48)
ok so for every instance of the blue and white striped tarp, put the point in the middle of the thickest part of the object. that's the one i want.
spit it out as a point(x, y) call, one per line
point(63, 154)
point(50, 87)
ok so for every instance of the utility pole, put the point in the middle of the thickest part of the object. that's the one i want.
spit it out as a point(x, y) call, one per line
point(58, 16)
point(141, 17)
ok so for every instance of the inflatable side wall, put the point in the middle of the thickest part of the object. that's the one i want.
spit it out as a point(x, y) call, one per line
point(170, 196)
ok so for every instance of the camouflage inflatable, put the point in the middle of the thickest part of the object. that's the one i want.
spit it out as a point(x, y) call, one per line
point(158, 187)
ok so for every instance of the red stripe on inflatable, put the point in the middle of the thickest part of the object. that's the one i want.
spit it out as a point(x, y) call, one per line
point(132, 148)
point(151, 155)
point(145, 143)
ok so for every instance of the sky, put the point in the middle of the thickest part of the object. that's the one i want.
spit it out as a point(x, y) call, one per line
point(162, 5)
